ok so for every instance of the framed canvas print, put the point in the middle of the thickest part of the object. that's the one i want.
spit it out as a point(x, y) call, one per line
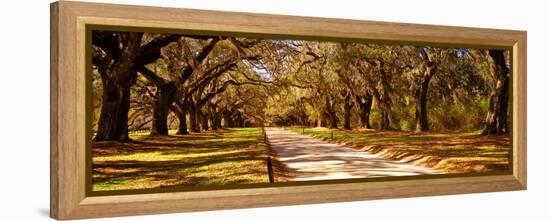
point(160, 110)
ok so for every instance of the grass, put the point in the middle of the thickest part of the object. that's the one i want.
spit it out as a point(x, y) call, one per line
point(232, 156)
point(451, 152)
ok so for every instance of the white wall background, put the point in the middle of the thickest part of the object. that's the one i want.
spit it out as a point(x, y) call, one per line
point(24, 109)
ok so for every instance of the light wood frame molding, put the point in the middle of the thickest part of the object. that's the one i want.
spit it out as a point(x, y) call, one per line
point(68, 195)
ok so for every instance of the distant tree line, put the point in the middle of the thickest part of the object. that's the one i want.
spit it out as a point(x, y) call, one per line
point(392, 87)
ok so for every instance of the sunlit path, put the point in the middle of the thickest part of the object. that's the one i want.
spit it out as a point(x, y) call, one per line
point(310, 158)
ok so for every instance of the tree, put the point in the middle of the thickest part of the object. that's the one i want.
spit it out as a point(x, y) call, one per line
point(349, 57)
point(181, 113)
point(116, 56)
point(377, 66)
point(428, 66)
point(177, 74)
point(496, 121)
point(116, 66)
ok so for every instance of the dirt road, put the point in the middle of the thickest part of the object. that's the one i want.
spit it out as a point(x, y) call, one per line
point(309, 158)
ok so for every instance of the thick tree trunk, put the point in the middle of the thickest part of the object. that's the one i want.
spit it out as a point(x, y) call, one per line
point(331, 114)
point(384, 106)
point(323, 122)
point(365, 106)
point(238, 121)
point(113, 119)
point(193, 119)
point(235, 120)
point(203, 120)
point(227, 121)
point(421, 95)
point(214, 125)
point(241, 119)
point(117, 80)
point(161, 107)
point(496, 121)
point(348, 104)
point(216, 121)
point(385, 110)
point(181, 113)
point(333, 120)
point(182, 125)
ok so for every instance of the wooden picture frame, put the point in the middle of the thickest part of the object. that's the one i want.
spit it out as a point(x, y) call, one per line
point(68, 94)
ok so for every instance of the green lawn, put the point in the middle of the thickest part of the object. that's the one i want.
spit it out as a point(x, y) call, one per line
point(234, 156)
point(450, 152)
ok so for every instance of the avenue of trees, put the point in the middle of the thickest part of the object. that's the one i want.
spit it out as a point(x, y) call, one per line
point(158, 82)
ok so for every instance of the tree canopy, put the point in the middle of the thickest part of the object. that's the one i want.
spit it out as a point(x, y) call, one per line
point(193, 83)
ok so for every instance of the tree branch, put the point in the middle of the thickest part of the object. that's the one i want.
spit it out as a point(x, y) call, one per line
point(151, 51)
point(151, 76)
point(202, 54)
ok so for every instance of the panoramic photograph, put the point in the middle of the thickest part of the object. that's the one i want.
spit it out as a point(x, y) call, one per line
point(173, 110)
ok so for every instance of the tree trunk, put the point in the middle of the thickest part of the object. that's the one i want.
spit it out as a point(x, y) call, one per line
point(214, 125)
point(385, 121)
point(216, 120)
point(303, 116)
point(182, 125)
point(365, 106)
point(496, 121)
point(237, 121)
point(113, 120)
point(385, 110)
point(348, 104)
point(421, 95)
point(181, 113)
point(219, 122)
point(227, 121)
point(204, 120)
point(331, 114)
point(193, 119)
point(385, 101)
point(384, 106)
point(241, 120)
point(161, 107)
point(333, 120)
point(323, 121)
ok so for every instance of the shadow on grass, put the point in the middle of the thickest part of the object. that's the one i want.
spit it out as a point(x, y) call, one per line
point(233, 157)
